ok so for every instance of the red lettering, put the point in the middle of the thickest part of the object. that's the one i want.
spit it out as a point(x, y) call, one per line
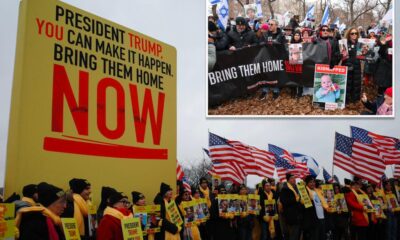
point(40, 25)
point(140, 120)
point(61, 89)
point(51, 30)
point(101, 108)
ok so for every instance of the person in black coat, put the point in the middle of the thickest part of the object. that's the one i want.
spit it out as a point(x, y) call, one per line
point(341, 220)
point(353, 88)
point(242, 36)
point(266, 193)
point(292, 213)
point(383, 72)
point(223, 228)
point(324, 35)
point(43, 222)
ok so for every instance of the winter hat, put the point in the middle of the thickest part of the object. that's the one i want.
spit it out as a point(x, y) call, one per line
point(240, 21)
point(78, 185)
point(106, 192)
point(347, 181)
point(389, 92)
point(29, 190)
point(288, 176)
point(212, 27)
point(136, 196)
point(264, 26)
point(116, 197)
point(48, 193)
point(164, 188)
point(308, 179)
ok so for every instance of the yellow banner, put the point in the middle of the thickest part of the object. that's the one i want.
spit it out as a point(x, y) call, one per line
point(131, 229)
point(378, 209)
point(202, 212)
point(7, 211)
point(7, 229)
point(341, 204)
point(304, 195)
point(270, 208)
point(173, 213)
point(366, 202)
point(392, 202)
point(90, 94)
point(381, 197)
point(70, 227)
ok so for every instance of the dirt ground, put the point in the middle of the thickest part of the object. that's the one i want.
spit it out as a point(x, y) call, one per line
point(285, 105)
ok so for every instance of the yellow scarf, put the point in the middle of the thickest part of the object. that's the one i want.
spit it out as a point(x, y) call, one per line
point(269, 219)
point(29, 200)
point(206, 194)
point(168, 235)
point(81, 211)
point(115, 213)
point(360, 202)
point(46, 212)
point(320, 196)
point(294, 191)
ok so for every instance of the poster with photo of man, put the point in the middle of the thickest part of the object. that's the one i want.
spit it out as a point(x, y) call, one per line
point(296, 53)
point(330, 87)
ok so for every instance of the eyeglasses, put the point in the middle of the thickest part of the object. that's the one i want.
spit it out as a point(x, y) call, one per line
point(354, 33)
point(325, 30)
point(125, 202)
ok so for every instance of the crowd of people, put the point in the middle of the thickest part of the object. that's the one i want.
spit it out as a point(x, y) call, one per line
point(374, 69)
point(39, 211)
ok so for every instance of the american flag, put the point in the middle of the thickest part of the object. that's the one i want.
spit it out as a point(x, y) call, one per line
point(388, 147)
point(283, 167)
point(396, 171)
point(186, 185)
point(300, 169)
point(357, 158)
point(327, 177)
point(179, 171)
point(248, 158)
point(230, 171)
point(207, 152)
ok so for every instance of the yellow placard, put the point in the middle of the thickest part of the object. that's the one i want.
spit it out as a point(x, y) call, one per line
point(7, 229)
point(173, 213)
point(7, 211)
point(304, 194)
point(149, 217)
point(270, 208)
point(381, 197)
point(189, 212)
point(131, 229)
point(253, 204)
point(392, 202)
point(378, 209)
point(90, 92)
point(329, 196)
point(202, 211)
point(70, 227)
point(341, 204)
point(366, 202)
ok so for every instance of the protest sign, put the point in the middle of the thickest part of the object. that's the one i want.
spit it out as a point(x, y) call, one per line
point(270, 208)
point(366, 202)
point(216, 181)
point(304, 194)
point(378, 209)
point(392, 202)
point(189, 212)
point(253, 204)
point(296, 53)
point(344, 50)
point(330, 86)
point(381, 198)
point(149, 217)
point(131, 229)
point(173, 213)
point(202, 212)
point(329, 196)
point(70, 227)
point(103, 95)
point(341, 205)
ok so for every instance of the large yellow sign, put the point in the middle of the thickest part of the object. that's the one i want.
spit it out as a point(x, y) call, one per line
point(91, 99)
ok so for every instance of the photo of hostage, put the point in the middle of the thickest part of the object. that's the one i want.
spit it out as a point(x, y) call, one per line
point(329, 91)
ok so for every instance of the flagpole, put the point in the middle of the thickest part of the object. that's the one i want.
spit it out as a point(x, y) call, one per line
point(334, 147)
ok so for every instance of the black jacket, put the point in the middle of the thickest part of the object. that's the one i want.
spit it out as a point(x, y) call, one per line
point(33, 226)
point(222, 228)
point(221, 41)
point(166, 225)
point(335, 55)
point(243, 39)
point(277, 37)
point(291, 208)
point(353, 88)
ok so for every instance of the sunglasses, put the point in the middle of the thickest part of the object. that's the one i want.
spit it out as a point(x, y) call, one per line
point(353, 33)
point(325, 30)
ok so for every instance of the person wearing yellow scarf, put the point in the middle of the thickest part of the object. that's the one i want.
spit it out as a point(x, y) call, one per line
point(245, 221)
point(138, 199)
point(29, 199)
point(170, 230)
point(359, 217)
point(81, 190)
point(110, 227)
point(340, 218)
point(269, 224)
point(391, 222)
point(314, 217)
point(43, 221)
point(190, 231)
point(291, 207)
point(205, 191)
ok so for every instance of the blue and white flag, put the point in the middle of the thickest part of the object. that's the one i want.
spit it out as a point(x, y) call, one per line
point(325, 17)
point(259, 8)
point(309, 16)
point(312, 164)
point(223, 14)
point(337, 22)
point(214, 2)
point(327, 177)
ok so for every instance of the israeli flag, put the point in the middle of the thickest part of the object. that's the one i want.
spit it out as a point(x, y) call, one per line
point(309, 16)
point(342, 27)
point(215, 2)
point(325, 17)
point(311, 163)
point(259, 8)
point(337, 22)
point(223, 14)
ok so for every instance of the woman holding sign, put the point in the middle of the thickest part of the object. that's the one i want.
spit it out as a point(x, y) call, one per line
point(359, 216)
point(268, 215)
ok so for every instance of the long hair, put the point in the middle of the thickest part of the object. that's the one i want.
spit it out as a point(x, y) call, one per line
point(347, 35)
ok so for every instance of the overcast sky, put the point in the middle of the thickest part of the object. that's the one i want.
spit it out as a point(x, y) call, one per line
point(181, 23)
